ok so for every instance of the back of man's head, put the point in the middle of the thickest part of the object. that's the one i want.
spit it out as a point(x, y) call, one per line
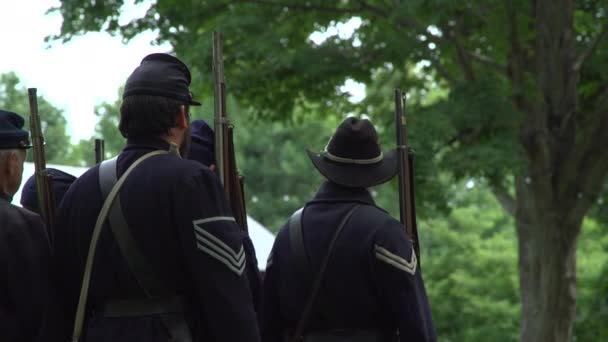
point(153, 95)
point(14, 140)
point(61, 183)
point(202, 146)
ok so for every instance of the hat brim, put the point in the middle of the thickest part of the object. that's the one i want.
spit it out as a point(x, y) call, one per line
point(195, 103)
point(356, 175)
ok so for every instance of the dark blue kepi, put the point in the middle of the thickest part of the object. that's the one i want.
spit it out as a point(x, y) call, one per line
point(12, 134)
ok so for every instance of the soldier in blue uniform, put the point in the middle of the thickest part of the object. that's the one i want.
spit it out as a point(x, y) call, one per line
point(202, 149)
point(372, 288)
point(24, 244)
point(61, 183)
point(178, 219)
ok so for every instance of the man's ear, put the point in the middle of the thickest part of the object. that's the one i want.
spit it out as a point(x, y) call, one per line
point(12, 161)
point(182, 117)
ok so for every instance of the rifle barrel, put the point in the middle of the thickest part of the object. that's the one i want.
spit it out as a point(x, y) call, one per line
point(407, 211)
point(99, 150)
point(225, 158)
point(44, 181)
point(219, 105)
point(401, 151)
point(38, 151)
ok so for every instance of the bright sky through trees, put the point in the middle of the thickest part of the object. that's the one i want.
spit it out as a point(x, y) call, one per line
point(88, 70)
point(74, 76)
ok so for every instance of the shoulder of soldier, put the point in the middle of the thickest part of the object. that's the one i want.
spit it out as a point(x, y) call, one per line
point(389, 228)
point(180, 169)
point(392, 246)
point(377, 219)
point(282, 237)
point(21, 214)
point(21, 220)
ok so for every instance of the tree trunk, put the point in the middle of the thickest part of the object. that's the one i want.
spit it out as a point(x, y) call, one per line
point(547, 268)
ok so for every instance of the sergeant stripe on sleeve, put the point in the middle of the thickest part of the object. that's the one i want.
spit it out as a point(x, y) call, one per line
point(396, 261)
point(216, 248)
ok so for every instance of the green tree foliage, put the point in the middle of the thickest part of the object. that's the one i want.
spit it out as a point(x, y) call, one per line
point(279, 177)
point(469, 263)
point(592, 308)
point(107, 126)
point(14, 97)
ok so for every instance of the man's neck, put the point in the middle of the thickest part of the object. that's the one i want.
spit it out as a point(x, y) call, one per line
point(5, 196)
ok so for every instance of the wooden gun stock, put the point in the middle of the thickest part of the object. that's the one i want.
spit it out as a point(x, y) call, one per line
point(405, 158)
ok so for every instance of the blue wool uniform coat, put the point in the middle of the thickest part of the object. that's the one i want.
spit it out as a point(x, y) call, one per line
point(178, 214)
point(372, 281)
point(24, 274)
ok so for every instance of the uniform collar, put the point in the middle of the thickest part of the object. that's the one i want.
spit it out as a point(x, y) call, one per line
point(5, 197)
point(332, 192)
point(146, 144)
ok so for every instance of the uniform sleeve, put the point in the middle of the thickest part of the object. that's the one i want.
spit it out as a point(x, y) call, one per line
point(253, 275)
point(24, 259)
point(213, 246)
point(272, 325)
point(398, 278)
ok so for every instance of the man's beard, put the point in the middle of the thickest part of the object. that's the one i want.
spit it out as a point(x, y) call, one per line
point(184, 148)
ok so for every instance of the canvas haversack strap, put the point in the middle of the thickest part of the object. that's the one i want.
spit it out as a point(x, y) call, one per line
point(302, 262)
point(160, 299)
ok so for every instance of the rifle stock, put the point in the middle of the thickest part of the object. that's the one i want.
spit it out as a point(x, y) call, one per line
point(225, 159)
point(405, 157)
point(44, 181)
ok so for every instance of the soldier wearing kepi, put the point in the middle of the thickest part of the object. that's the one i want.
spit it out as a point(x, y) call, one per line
point(24, 244)
point(169, 262)
point(343, 269)
point(61, 183)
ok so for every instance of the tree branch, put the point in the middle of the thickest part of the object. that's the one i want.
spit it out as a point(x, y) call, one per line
point(507, 202)
point(592, 171)
point(442, 70)
point(461, 55)
point(485, 60)
point(580, 60)
point(515, 66)
point(364, 5)
point(305, 7)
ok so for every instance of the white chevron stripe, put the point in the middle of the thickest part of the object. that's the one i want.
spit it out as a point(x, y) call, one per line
point(216, 248)
point(238, 271)
point(236, 260)
point(396, 261)
point(208, 236)
point(212, 219)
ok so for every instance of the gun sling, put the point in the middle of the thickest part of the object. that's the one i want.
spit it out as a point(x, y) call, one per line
point(160, 300)
point(303, 264)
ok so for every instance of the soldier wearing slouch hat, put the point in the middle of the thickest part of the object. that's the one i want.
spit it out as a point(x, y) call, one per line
point(341, 268)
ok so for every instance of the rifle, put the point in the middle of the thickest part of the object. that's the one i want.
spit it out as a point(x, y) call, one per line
point(99, 150)
point(225, 159)
point(405, 160)
point(44, 181)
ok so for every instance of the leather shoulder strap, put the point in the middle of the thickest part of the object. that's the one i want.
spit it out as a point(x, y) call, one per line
point(312, 295)
point(139, 266)
point(101, 218)
point(296, 245)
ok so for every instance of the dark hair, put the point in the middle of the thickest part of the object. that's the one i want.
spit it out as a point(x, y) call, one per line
point(148, 115)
